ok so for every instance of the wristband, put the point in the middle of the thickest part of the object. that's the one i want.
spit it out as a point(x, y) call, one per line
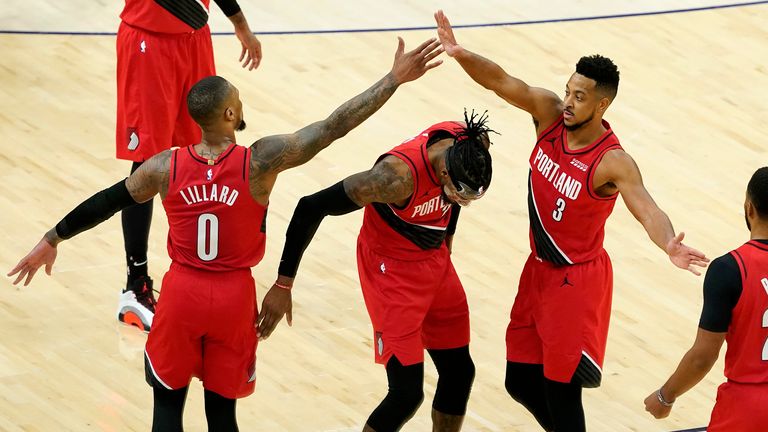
point(285, 287)
point(662, 400)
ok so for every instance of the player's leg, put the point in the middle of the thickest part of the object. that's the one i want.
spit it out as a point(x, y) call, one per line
point(445, 333)
point(524, 379)
point(220, 413)
point(168, 411)
point(146, 85)
point(525, 382)
point(565, 407)
point(397, 296)
point(402, 400)
point(137, 301)
point(456, 372)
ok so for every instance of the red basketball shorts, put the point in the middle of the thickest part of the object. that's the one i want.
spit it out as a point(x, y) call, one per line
point(560, 314)
point(204, 327)
point(413, 305)
point(740, 408)
point(154, 74)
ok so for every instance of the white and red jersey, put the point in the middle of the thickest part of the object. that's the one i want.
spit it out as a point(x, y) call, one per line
point(419, 227)
point(567, 217)
point(166, 16)
point(746, 359)
point(214, 223)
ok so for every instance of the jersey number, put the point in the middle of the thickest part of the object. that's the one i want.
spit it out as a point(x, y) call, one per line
point(558, 213)
point(207, 235)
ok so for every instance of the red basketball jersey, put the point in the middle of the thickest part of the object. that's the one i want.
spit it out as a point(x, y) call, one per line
point(746, 360)
point(150, 15)
point(567, 218)
point(419, 227)
point(213, 221)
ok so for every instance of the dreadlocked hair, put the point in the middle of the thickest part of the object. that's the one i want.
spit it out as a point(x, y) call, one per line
point(469, 155)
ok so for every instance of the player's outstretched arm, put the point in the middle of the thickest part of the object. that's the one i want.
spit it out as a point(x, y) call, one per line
point(388, 181)
point(141, 186)
point(624, 173)
point(250, 55)
point(544, 105)
point(693, 367)
point(279, 152)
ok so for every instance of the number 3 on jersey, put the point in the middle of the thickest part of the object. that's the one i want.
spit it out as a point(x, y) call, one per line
point(207, 235)
point(557, 215)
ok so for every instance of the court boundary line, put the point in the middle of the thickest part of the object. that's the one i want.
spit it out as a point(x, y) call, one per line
point(394, 29)
point(698, 429)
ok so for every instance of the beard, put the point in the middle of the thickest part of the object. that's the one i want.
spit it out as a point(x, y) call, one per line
point(576, 126)
point(241, 126)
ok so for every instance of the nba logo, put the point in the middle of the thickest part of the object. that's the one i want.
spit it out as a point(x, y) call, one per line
point(209, 174)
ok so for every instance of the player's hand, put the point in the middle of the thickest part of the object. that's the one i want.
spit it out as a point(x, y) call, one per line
point(410, 65)
point(250, 56)
point(43, 253)
point(653, 406)
point(277, 302)
point(684, 256)
point(445, 33)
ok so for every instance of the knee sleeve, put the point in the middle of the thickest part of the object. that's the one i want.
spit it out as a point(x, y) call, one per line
point(456, 373)
point(403, 398)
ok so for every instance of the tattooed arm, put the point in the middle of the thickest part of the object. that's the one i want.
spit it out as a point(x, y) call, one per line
point(141, 186)
point(273, 154)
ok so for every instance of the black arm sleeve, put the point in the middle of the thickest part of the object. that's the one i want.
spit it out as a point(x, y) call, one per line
point(451, 229)
point(309, 212)
point(229, 7)
point(722, 289)
point(95, 210)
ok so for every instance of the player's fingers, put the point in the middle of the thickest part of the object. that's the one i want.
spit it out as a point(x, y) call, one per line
point(30, 276)
point(21, 276)
point(433, 54)
point(400, 47)
point(679, 237)
point(289, 317)
point(423, 45)
point(242, 53)
point(433, 65)
point(16, 269)
point(431, 47)
point(693, 270)
point(48, 268)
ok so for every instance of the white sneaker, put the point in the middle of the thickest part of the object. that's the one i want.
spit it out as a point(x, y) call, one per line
point(137, 304)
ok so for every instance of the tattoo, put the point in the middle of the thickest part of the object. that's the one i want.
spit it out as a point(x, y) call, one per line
point(276, 153)
point(151, 178)
point(389, 181)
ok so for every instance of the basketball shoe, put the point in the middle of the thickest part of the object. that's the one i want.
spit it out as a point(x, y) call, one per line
point(137, 304)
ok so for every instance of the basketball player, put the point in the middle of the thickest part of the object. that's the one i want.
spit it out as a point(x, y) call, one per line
point(414, 297)
point(735, 310)
point(163, 48)
point(559, 322)
point(215, 194)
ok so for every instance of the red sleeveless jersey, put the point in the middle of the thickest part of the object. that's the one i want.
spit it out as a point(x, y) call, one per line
point(567, 218)
point(746, 360)
point(151, 16)
point(419, 227)
point(213, 221)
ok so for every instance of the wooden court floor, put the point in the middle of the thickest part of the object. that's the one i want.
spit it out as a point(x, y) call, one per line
point(691, 110)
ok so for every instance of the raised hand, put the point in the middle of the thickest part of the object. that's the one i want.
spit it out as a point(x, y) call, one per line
point(445, 33)
point(684, 256)
point(277, 302)
point(411, 65)
point(43, 253)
